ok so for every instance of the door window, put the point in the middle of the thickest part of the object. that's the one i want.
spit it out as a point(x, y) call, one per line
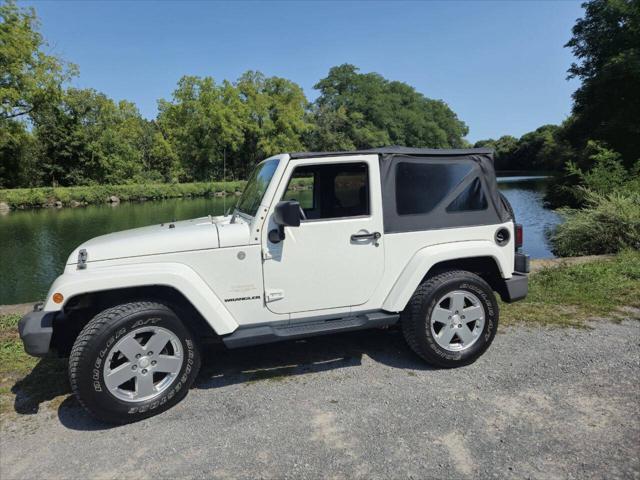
point(327, 191)
point(300, 188)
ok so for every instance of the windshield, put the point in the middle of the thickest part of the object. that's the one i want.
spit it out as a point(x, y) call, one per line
point(257, 184)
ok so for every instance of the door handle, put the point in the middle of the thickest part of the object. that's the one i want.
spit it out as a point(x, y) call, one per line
point(365, 236)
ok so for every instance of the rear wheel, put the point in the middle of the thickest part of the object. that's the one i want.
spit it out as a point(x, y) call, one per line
point(451, 319)
point(133, 361)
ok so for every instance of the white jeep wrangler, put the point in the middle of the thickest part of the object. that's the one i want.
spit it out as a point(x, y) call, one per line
point(318, 243)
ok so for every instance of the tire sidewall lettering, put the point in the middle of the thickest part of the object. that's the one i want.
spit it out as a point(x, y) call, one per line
point(97, 371)
point(488, 304)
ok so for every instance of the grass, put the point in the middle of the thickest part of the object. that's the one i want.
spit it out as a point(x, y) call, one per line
point(568, 295)
point(564, 295)
point(25, 381)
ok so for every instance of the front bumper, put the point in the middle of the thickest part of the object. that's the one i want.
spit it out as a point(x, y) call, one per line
point(36, 330)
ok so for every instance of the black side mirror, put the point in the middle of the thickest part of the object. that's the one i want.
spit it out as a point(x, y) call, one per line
point(286, 214)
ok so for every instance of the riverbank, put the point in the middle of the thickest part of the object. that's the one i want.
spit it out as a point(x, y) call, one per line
point(50, 197)
point(79, 196)
point(563, 292)
point(58, 197)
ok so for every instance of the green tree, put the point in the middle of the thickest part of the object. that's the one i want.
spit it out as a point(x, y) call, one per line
point(504, 149)
point(88, 138)
point(161, 163)
point(276, 118)
point(606, 42)
point(30, 78)
point(330, 129)
point(543, 149)
point(202, 122)
point(16, 154)
point(364, 110)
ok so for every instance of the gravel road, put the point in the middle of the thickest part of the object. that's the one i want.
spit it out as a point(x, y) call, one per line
point(541, 403)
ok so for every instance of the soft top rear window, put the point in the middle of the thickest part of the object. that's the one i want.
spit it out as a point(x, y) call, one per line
point(472, 198)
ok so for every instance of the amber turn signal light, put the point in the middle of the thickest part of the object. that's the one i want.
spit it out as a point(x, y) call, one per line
point(57, 298)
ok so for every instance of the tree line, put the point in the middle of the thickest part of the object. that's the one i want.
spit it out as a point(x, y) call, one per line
point(596, 150)
point(53, 134)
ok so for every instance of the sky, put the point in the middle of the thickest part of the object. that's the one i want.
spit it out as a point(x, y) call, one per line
point(500, 65)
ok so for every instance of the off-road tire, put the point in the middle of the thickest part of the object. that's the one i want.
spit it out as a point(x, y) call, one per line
point(415, 319)
point(91, 346)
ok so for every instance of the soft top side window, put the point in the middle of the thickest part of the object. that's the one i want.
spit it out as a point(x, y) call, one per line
point(420, 187)
point(330, 190)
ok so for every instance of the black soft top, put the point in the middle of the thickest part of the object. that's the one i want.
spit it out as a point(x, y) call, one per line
point(479, 181)
point(396, 150)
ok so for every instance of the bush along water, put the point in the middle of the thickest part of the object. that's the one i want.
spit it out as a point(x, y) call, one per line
point(604, 174)
point(94, 194)
point(606, 224)
point(75, 196)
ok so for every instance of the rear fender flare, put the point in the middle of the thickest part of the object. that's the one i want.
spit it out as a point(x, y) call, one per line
point(425, 259)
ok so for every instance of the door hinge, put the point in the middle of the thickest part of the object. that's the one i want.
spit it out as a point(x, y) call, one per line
point(273, 295)
point(266, 255)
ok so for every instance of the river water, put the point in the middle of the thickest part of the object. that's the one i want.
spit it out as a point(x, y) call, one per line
point(34, 244)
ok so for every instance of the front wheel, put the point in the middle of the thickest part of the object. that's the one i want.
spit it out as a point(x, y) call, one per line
point(133, 361)
point(451, 319)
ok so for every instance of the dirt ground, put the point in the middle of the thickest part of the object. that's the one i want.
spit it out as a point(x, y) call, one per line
point(541, 403)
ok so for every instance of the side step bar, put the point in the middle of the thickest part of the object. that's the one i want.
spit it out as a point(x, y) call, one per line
point(244, 337)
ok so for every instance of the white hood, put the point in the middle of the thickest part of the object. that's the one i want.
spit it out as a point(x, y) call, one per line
point(197, 234)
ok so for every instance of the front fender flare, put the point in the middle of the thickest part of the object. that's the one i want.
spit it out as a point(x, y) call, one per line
point(175, 275)
point(424, 260)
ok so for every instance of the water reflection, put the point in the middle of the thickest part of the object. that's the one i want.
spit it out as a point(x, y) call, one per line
point(34, 244)
point(526, 197)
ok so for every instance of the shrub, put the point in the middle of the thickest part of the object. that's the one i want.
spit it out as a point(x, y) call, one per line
point(606, 175)
point(607, 224)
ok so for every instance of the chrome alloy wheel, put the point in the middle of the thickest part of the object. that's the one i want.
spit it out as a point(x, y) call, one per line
point(457, 320)
point(143, 364)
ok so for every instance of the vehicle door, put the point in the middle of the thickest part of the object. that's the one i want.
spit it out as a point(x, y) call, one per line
point(335, 257)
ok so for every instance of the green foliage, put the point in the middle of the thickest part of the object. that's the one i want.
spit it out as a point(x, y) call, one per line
point(276, 119)
point(365, 110)
point(87, 138)
point(557, 294)
point(30, 81)
point(37, 197)
point(606, 42)
point(202, 121)
point(25, 381)
point(16, 153)
point(67, 137)
point(608, 224)
point(544, 149)
point(30, 78)
point(51, 135)
point(605, 175)
point(503, 151)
